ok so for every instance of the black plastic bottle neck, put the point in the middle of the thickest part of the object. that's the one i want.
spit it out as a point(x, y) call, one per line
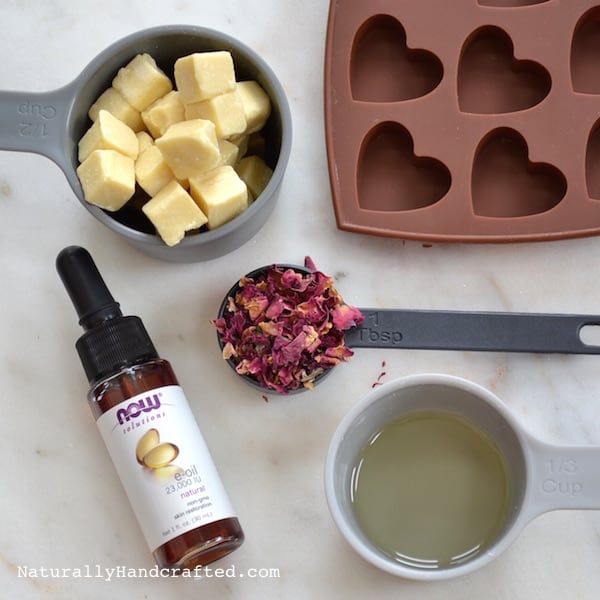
point(111, 342)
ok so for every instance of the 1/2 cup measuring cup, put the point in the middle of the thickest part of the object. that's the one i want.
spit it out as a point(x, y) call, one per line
point(52, 123)
point(543, 477)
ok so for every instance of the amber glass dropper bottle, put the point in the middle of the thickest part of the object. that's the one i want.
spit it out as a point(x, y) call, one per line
point(148, 427)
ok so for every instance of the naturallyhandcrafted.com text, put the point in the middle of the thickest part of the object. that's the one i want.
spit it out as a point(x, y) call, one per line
point(124, 572)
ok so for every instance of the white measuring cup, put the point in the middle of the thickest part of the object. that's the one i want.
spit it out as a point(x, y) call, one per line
point(544, 477)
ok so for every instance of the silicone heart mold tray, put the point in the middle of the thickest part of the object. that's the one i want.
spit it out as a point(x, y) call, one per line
point(467, 121)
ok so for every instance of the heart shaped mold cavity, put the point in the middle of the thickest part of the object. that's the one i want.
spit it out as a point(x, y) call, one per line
point(592, 163)
point(585, 53)
point(384, 69)
point(392, 178)
point(492, 81)
point(511, 3)
point(506, 184)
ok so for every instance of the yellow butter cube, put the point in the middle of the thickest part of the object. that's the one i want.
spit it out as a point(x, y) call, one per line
point(221, 195)
point(152, 172)
point(144, 141)
point(204, 75)
point(117, 106)
point(190, 147)
point(108, 133)
point(256, 103)
point(162, 113)
point(173, 212)
point(141, 82)
point(225, 111)
point(241, 141)
point(229, 153)
point(107, 178)
point(255, 172)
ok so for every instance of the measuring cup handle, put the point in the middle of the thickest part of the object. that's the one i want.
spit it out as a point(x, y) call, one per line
point(564, 477)
point(35, 122)
point(475, 331)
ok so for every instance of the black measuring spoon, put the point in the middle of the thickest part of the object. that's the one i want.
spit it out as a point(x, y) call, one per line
point(451, 330)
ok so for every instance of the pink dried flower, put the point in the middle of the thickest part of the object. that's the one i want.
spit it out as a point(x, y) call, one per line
point(284, 328)
point(256, 306)
point(271, 328)
point(309, 264)
point(275, 308)
point(228, 351)
point(295, 281)
point(345, 317)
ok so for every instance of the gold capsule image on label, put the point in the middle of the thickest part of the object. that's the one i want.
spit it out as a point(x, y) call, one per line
point(149, 440)
point(161, 455)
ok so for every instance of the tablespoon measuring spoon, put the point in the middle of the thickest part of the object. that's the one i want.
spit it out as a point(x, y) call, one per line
point(452, 330)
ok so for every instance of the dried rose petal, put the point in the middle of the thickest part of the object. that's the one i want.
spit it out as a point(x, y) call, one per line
point(309, 264)
point(249, 367)
point(275, 308)
point(312, 341)
point(228, 351)
point(345, 317)
point(271, 328)
point(295, 281)
point(256, 306)
point(341, 352)
point(284, 329)
point(312, 310)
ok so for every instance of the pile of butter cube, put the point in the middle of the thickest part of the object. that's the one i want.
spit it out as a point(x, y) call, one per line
point(186, 149)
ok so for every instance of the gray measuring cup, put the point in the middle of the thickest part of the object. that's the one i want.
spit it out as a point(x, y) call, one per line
point(52, 123)
point(451, 330)
point(543, 477)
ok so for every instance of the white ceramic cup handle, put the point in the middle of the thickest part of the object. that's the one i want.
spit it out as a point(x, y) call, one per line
point(564, 478)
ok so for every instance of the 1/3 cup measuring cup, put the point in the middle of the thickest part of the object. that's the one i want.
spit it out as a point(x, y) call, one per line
point(52, 123)
point(543, 477)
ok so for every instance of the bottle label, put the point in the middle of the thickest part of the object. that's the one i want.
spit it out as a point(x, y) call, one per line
point(164, 464)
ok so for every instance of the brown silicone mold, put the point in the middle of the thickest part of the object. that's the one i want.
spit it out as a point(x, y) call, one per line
point(466, 121)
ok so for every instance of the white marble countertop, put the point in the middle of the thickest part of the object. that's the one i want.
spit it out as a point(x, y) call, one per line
point(61, 504)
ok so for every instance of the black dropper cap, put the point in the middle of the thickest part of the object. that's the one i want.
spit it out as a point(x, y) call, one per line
point(111, 341)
